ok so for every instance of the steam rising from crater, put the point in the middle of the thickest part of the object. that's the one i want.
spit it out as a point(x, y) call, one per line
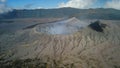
point(68, 26)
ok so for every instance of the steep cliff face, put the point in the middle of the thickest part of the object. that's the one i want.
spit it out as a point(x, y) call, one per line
point(85, 48)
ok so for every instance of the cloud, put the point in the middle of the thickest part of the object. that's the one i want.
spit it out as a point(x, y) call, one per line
point(4, 7)
point(39, 8)
point(31, 6)
point(28, 5)
point(2, 0)
point(78, 3)
point(113, 4)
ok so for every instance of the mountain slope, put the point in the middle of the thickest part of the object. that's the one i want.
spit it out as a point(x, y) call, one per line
point(85, 48)
point(99, 13)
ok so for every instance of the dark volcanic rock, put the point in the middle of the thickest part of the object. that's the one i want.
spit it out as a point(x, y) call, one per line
point(97, 26)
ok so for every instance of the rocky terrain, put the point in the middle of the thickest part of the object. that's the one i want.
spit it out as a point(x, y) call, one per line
point(79, 45)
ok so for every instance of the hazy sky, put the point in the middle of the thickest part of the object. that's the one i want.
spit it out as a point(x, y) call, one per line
point(55, 3)
point(6, 5)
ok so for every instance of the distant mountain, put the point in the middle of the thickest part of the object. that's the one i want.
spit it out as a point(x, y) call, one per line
point(99, 13)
